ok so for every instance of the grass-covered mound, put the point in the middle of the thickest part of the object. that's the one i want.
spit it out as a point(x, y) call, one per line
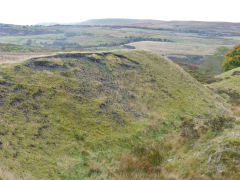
point(224, 150)
point(70, 116)
point(228, 85)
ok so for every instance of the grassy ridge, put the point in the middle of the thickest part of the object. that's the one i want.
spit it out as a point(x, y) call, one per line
point(70, 116)
point(225, 151)
point(228, 83)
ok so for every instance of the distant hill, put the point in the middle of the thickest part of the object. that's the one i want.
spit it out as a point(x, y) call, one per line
point(19, 30)
point(201, 27)
point(112, 21)
point(48, 24)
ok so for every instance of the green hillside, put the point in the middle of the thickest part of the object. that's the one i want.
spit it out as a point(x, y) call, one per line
point(227, 144)
point(228, 83)
point(96, 115)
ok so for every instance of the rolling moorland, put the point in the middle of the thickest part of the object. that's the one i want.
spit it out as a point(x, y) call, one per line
point(97, 111)
point(180, 41)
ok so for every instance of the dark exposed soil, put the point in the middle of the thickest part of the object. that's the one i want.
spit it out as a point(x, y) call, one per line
point(45, 65)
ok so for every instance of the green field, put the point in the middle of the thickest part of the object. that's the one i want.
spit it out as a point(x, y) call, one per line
point(175, 44)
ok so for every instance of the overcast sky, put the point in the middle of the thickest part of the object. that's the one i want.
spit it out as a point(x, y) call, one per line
point(65, 11)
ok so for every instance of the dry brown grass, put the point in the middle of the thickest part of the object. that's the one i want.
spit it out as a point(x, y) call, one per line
point(144, 176)
point(13, 57)
point(7, 175)
point(166, 48)
point(141, 164)
point(236, 106)
point(130, 164)
point(144, 162)
point(94, 169)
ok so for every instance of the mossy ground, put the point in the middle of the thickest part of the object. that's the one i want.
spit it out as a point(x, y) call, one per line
point(70, 116)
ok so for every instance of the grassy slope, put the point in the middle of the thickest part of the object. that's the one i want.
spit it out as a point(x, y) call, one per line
point(228, 83)
point(226, 147)
point(71, 116)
